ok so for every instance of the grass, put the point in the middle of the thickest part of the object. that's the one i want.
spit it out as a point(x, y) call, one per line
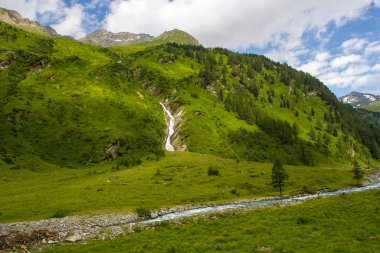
point(41, 190)
point(374, 106)
point(346, 223)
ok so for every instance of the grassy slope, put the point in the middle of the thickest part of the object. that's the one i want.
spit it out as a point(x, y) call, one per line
point(374, 106)
point(80, 99)
point(347, 223)
point(39, 189)
point(67, 96)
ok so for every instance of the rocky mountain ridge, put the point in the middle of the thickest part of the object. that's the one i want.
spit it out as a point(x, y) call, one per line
point(14, 18)
point(357, 99)
point(105, 38)
point(100, 37)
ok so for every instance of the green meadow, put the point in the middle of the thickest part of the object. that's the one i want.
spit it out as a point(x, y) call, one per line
point(36, 190)
point(345, 223)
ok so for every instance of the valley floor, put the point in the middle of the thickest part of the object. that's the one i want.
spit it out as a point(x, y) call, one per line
point(345, 223)
point(37, 190)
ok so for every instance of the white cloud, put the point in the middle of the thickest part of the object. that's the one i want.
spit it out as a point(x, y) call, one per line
point(353, 45)
point(345, 70)
point(72, 22)
point(65, 20)
point(232, 24)
point(373, 47)
point(323, 56)
point(343, 61)
point(356, 70)
point(376, 68)
point(30, 9)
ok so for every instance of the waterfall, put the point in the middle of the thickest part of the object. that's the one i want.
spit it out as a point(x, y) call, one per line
point(170, 122)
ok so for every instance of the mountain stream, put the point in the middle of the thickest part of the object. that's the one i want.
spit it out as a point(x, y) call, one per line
point(260, 203)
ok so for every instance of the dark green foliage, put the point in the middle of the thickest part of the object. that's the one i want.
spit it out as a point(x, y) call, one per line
point(213, 171)
point(357, 171)
point(279, 175)
point(142, 211)
point(17, 167)
point(60, 213)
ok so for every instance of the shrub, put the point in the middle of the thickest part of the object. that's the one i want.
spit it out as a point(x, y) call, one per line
point(303, 220)
point(142, 211)
point(213, 171)
point(193, 95)
point(8, 160)
point(130, 161)
point(17, 167)
point(60, 213)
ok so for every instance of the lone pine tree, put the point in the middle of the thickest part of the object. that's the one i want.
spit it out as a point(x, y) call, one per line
point(279, 175)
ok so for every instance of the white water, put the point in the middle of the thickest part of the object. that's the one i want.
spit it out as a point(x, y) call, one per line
point(251, 204)
point(170, 123)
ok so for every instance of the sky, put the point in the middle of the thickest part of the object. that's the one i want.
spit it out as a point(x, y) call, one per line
point(338, 41)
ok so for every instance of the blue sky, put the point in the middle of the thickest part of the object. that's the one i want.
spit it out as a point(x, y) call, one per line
point(336, 41)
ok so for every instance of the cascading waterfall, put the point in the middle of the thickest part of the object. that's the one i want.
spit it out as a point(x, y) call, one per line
point(170, 122)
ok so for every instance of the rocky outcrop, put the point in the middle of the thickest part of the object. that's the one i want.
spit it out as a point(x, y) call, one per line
point(105, 38)
point(14, 18)
point(178, 139)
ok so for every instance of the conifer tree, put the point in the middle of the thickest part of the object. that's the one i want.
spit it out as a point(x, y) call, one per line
point(279, 175)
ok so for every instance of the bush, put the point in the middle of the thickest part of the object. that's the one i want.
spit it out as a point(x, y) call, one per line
point(8, 160)
point(193, 95)
point(17, 167)
point(142, 211)
point(303, 220)
point(130, 161)
point(60, 213)
point(213, 171)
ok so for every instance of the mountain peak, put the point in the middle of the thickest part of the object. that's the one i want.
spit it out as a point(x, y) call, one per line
point(358, 99)
point(104, 38)
point(177, 36)
point(14, 18)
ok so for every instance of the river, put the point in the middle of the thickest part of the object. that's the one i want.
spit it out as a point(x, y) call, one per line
point(203, 210)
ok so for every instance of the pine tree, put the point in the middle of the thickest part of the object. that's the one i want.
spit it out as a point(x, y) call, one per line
point(279, 175)
point(358, 172)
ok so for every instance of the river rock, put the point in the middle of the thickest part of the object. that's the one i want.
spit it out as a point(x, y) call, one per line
point(74, 238)
point(154, 215)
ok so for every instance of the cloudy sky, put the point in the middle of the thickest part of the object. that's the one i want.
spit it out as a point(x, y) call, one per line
point(336, 40)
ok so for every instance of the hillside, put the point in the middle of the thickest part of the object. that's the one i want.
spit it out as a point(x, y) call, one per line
point(69, 103)
point(374, 106)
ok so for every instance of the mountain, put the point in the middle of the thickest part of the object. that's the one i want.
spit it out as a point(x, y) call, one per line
point(357, 99)
point(177, 36)
point(73, 104)
point(14, 18)
point(105, 38)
